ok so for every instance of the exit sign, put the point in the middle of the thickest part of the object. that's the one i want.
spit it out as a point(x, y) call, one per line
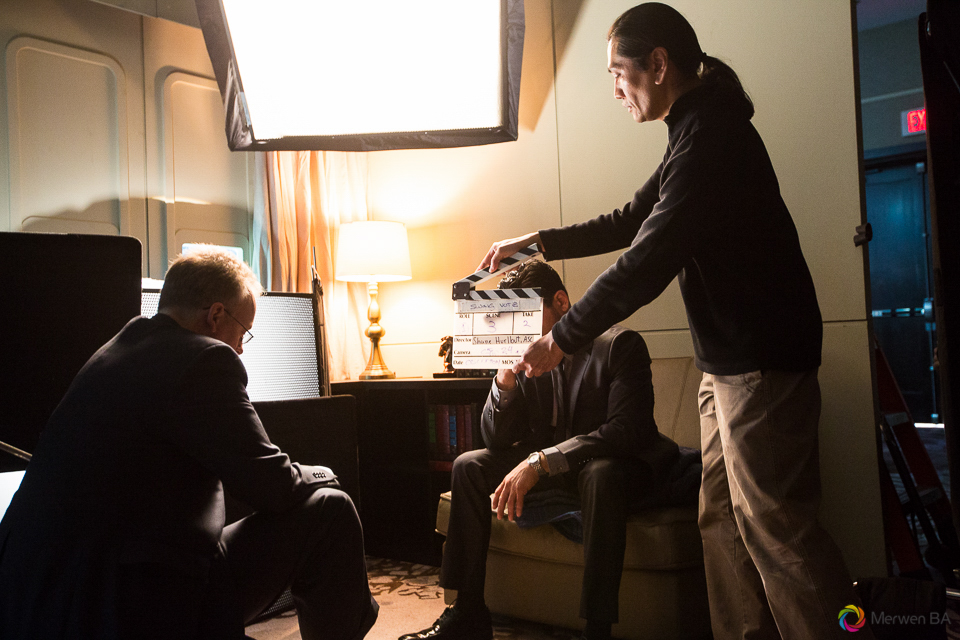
point(913, 122)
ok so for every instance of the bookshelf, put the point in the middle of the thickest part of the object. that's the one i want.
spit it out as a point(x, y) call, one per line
point(451, 430)
point(405, 457)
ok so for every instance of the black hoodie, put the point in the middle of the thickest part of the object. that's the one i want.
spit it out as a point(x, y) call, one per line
point(711, 213)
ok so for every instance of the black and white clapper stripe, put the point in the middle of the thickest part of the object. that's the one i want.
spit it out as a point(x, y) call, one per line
point(465, 289)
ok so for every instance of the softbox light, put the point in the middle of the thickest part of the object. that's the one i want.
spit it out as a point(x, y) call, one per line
point(365, 75)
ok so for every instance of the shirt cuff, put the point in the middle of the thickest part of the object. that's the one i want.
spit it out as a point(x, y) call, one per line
point(503, 397)
point(556, 461)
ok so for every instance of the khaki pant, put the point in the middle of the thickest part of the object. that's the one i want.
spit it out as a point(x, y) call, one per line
point(772, 571)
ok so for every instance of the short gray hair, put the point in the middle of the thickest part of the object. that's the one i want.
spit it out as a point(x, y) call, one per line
point(204, 276)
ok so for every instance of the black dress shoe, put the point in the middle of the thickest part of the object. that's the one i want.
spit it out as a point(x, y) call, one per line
point(454, 624)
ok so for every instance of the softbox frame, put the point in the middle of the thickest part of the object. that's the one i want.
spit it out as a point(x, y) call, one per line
point(241, 132)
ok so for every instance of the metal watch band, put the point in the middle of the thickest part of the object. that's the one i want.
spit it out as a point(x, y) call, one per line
point(536, 464)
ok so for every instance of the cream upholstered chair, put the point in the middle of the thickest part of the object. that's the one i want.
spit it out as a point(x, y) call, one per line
point(535, 574)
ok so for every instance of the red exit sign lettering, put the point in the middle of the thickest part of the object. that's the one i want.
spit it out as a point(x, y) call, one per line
point(913, 122)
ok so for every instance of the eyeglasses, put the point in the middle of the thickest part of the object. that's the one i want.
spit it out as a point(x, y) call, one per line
point(248, 336)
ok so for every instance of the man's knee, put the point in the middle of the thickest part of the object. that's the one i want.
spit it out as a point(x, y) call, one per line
point(601, 475)
point(330, 505)
point(471, 458)
point(469, 467)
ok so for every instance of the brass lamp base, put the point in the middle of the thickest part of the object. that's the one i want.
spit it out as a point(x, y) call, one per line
point(377, 374)
point(376, 367)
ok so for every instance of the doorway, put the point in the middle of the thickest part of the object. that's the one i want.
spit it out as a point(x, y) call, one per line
point(901, 277)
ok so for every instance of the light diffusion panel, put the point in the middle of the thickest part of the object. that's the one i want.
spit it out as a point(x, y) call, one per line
point(281, 360)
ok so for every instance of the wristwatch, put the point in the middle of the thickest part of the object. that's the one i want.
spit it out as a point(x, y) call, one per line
point(534, 461)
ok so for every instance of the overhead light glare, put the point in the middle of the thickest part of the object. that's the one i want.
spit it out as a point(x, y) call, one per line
point(366, 74)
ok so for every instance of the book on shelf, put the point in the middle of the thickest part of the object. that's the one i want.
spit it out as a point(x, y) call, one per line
point(462, 427)
point(432, 428)
point(443, 429)
point(472, 417)
point(451, 430)
point(452, 419)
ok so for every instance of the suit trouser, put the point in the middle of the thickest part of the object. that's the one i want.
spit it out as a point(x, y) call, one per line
point(316, 550)
point(772, 571)
point(605, 486)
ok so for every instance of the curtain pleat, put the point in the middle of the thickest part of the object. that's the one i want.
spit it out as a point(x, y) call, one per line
point(306, 196)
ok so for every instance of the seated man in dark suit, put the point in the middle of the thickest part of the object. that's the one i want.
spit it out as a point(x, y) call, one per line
point(117, 530)
point(586, 429)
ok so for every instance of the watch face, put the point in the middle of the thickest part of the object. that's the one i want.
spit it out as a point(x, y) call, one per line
point(533, 458)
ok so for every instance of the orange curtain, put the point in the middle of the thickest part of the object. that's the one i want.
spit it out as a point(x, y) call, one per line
point(302, 199)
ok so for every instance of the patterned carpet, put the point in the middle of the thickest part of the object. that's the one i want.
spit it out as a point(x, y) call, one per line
point(410, 599)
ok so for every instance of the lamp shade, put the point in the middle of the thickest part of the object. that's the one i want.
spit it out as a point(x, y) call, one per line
point(373, 251)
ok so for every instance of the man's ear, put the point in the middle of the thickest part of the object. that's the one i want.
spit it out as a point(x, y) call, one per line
point(215, 315)
point(561, 302)
point(660, 60)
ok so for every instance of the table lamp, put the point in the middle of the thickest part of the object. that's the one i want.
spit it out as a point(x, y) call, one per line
point(373, 251)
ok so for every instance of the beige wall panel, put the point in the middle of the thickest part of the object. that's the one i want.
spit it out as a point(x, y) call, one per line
point(197, 157)
point(199, 191)
point(848, 452)
point(67, 130)
point(205, 184)
point(604, 155)
point(669, 344)
point(71, 125)
point(799, 73)
point(457, 202)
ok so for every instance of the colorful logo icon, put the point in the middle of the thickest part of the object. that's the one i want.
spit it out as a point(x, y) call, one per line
point(851, 610)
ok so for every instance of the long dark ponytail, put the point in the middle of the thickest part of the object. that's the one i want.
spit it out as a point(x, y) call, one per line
point(640, 30)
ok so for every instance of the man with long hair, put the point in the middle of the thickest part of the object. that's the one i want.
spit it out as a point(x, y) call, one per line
point(712, 216)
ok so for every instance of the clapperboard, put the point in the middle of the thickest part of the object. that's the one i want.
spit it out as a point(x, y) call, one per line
point(492, 328)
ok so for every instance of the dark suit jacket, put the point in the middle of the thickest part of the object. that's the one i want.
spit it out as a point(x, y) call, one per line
point(123, 500)
point(610, 408)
